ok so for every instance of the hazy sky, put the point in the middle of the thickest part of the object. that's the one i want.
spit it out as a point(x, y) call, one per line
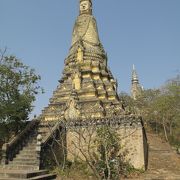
point(141, 32)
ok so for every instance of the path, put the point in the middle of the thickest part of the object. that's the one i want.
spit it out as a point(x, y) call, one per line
point(164, 163)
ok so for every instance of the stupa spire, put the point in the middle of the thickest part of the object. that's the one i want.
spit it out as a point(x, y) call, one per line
point(134, 75)
point(136, 88)
point(86, 73)
point(85, 31)
point(85, 7)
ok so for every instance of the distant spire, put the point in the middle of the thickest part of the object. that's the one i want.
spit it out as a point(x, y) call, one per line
point(85, 7)
point(134, 75)
point(136, 89)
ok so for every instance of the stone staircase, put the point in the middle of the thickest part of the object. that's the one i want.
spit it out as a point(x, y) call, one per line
point(164, 162)
point(26, 158)
point(25, 163)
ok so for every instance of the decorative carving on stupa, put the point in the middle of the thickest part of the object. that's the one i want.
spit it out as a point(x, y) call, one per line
point(85, 7)
point(86, 73)
point(80, 55)
point(76, 78)
point(72, 111)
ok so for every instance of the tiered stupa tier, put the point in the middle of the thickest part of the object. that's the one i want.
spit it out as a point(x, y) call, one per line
point(87, 88)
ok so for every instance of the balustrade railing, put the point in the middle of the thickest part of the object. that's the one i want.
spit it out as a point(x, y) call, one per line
point(10, 149)
point(54, 130)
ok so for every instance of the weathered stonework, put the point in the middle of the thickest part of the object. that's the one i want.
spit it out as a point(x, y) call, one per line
point(88, 90)
point(82, 137)
point(85, 73)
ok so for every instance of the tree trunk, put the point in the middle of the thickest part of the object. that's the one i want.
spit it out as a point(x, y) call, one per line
point(165, 131)
point(170, 129)
point(156, 127)
point(107, 162)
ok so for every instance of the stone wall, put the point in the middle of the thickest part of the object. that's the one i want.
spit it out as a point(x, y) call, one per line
point(135, 143)
point(80, 140)
point(132, 139)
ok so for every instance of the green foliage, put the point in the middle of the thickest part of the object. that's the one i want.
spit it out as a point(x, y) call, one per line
point(102, 156)
point(160, 109)
point(18, 87)
point(165, 110)
point(112, 163)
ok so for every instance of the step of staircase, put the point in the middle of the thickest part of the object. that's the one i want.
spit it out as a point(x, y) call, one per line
point(28, 153)
point(19, 174)
point(32, 141)
point(26, 150)
point(17, 162)
point(25, 158)
point(25, 155)
point(22, 167)
point(45, 177)
point(31, 146)
point(43, 133)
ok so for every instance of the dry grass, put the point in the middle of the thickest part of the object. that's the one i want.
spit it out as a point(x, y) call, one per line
point(77, 171)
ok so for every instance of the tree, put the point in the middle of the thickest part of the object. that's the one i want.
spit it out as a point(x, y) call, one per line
point(99, 148)
point(18, 88)
point(160, 109)
point(141, 105)
point(111, 163)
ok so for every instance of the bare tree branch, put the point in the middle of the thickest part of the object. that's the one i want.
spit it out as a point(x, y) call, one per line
point(2, 54)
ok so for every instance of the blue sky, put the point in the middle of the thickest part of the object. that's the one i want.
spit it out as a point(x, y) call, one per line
point(141, 32)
